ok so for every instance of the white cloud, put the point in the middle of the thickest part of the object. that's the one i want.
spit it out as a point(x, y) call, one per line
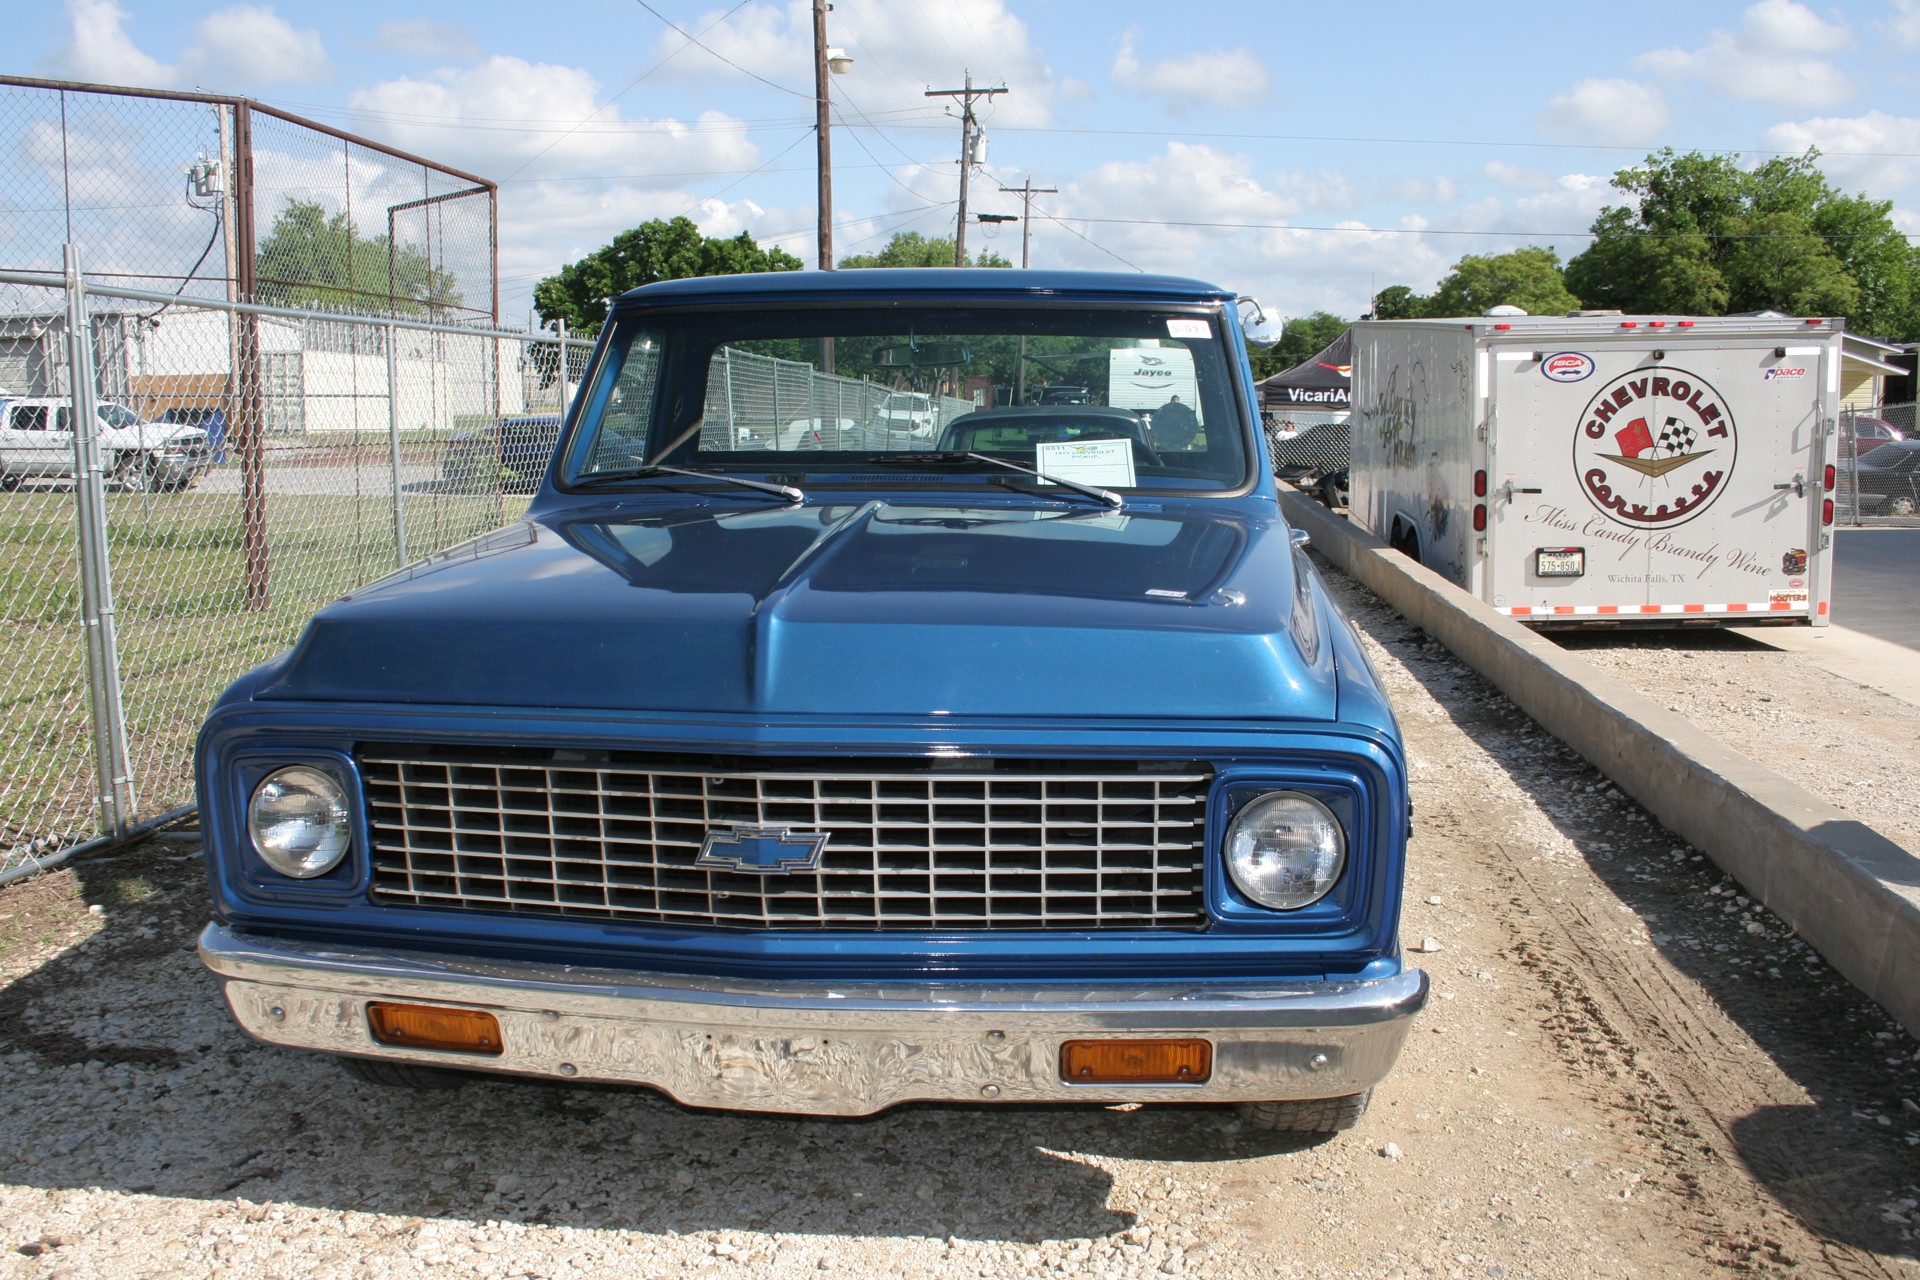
point(1224, 78)
point(1774, 57)
point(1883, 149)
point(1606, 113)
point(1515, 178)
point(427, 39)
point(98, 50)
point(253, 45)
point(899, 51)
point(505, 112)
point(1431, 191)
point(244, 45)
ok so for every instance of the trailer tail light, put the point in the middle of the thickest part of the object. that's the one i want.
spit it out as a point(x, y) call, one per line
point(1503, 326)
point(1136, 1061)
point(1826, 511)
point(1816, 322)
point(1479, 517)
point(1480, 484)
point(1629, 324)
point(1656, 324)
point(1684, 324)
point(422, 1026)
point(1829, 477)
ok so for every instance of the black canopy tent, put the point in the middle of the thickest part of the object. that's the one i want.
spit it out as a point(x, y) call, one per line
point(1322, 382)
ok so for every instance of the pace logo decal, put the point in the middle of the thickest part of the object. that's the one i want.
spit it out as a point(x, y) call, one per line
point(1567, 366)
point(1780, 373)
point(1654, 448)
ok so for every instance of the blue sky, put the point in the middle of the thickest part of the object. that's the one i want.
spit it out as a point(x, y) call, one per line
point(1344, 147)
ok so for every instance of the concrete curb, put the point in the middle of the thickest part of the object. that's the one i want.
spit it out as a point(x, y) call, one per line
point(1848, 890)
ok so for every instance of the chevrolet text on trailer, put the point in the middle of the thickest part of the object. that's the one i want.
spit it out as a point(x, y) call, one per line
point(1601, 469)
point(1029, 762)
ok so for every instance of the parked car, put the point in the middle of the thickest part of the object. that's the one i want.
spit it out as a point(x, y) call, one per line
point(513, 454)
point(36, 442)
point(1020, 430)
point(1860, 436)
point(811, 780)
point(1887, 481)
point(1062, 394)
point(910, 412)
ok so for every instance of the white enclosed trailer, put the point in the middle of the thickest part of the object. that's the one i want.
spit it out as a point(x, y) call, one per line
point(1603, 469)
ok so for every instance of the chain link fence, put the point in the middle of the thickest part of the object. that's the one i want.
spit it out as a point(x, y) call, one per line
point(165, 549)
point(1877, 466)
point(221, 197)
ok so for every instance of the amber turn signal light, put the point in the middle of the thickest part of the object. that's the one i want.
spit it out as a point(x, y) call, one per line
point(1136, 1061)
point(421, 1026)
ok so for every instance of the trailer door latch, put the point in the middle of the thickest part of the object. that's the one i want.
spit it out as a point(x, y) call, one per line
point(1798, 484)
point(1508, 489)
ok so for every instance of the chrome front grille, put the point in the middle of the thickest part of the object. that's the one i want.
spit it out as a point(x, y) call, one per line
point(922, 844)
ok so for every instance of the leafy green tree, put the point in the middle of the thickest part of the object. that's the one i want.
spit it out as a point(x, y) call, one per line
point(656, 250)
point(311, 260)
point(1528, 278)
point(911, 249)
point(1705, 236)
point(1398, 302)
point(1781, 264)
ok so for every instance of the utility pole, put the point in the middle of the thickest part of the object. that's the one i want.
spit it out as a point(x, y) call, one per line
point(1026, 194)
point(967, 135)
point(820, 132)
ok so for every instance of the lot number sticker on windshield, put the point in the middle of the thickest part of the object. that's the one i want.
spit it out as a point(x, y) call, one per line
point(1186, 328)
point(1088, 461)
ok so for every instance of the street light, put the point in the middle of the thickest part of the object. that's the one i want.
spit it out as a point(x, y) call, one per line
point(825, 61)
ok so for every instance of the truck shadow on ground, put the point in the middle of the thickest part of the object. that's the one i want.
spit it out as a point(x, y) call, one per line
point(122, 1070)
point(1834, 1161)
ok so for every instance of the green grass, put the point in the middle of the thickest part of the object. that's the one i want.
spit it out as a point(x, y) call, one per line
point(186, 627)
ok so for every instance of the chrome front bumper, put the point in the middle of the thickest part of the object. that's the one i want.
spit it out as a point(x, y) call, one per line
point(814, 1048)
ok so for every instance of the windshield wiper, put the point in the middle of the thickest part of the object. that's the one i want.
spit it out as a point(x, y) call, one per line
point(786, 491)
point(1107, 496)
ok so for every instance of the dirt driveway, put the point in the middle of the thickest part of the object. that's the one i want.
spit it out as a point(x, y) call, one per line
point(1627, 1069)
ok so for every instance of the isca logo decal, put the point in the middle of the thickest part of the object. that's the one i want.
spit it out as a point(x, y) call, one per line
point(1567, 366)
point(1654, 448)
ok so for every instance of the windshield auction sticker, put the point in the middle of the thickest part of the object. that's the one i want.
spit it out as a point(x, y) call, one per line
point(1087, 461)
point(1655, 448)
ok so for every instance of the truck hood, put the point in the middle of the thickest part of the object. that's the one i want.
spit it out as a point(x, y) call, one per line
point(880, 609)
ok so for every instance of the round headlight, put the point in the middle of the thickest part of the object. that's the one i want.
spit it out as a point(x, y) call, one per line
point(298, 820)
point(1285, 850)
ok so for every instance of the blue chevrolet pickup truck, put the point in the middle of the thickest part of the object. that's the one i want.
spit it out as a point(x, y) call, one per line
point(783, 761)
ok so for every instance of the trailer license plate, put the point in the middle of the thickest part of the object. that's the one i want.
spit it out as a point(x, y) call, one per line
point(1559, 562)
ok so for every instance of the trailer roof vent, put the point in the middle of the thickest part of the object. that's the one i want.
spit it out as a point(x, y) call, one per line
point(1505, 309)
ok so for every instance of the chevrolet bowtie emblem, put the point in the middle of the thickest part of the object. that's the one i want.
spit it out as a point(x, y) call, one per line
point(766, 851)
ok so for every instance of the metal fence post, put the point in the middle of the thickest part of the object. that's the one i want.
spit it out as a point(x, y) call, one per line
point(113, 769)
point(393, 450)
point(566, 380)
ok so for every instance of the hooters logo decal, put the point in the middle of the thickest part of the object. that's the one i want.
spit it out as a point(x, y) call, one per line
point(1655, 448)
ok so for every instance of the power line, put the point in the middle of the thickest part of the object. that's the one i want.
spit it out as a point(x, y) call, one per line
point(616, 97)
point(716, 53)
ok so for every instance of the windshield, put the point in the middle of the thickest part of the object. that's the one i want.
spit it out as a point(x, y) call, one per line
point(117, 416)
point(850, 395)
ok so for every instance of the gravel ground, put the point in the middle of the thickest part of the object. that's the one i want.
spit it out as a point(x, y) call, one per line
point(1847, 742)
point(1627, 1069)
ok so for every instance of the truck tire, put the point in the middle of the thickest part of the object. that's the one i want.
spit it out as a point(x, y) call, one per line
point(1903, 506)
point(1406, 542)
point(403, 1075)
point(137, 474)
point(1309, 1115)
